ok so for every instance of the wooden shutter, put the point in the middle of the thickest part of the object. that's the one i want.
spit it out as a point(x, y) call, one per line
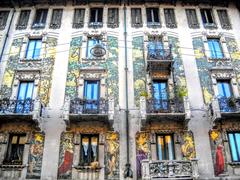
point(136, 17)
point(3, 19)
point(192, 18)
point(23, 19)
point(170, 18)
point(113, 17)
point(224, 19)
point(78, 21)
point(56, 19)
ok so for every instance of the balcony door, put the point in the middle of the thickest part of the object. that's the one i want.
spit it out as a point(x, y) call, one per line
point(155, 48)
point(160, 95)
point(24, 98)
point(91, 94)
point(224, 93)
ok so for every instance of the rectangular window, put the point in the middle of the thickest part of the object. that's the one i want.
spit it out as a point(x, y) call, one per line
point(113, 17)
point(3, 19)
point(153, 19)
point(215, 48)
point(92, 41)
point(23, 19)
point(91, 94)
point(224, 19)
point(170, 18)
point(78, 20)
point(234, 142)
point(89, 149)
point(192, 18)
point(56, 19)
point(160, 95)
point(155, 48)
point(34, 49)
point(136, 15)
point(40, 18)
point(207, 18)
point(15, 149)
point(96, 17)
point(24, 98)
point(165, 147)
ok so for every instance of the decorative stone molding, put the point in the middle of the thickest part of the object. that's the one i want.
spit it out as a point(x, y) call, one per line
point(95, 33)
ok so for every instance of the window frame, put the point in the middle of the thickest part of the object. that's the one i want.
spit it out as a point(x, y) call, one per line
point(81, 159)
point(8, 157)
point(207, 24)
point(40, 24)
point(33, 53)
point(235, 143)
point(96, 23)
point(153, 23)
point(165, 152)
point(211, 56)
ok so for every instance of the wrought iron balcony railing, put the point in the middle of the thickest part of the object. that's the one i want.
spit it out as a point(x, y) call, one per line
point(16, 106)
point(184, 169)
point(159, 54)
point(95, 24)
point(164, 106)
point(229, 104)
point(88, 106)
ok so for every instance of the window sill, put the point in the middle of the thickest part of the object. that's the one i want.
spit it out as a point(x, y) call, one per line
point(24, 60)
point(12, 166)
point(235, 164)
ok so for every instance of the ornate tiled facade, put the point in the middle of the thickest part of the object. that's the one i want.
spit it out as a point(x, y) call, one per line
point(119, 90)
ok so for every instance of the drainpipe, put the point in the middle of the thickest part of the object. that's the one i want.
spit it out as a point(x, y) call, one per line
point(128, 173)
point(6, 37)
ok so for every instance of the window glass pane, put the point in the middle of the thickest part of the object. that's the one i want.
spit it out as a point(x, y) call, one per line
point(85, 145)
point(37, 50)
point(14, 139)
point(94, 143)
point(169, 147)
point(30, 49)
point(22, 139)
point(224, 89)
point(215, 48)
point(233, 147)
point(29, 90)
point(160, 143)
point(22, 90)
point(237, 137)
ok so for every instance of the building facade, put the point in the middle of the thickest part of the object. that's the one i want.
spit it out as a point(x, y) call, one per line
point(119, 90)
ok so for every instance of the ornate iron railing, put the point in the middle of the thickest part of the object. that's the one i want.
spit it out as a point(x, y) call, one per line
point(159, 54)
point(164, 106)
point(16, 106)
point(229, 104)
point(169, 169)
point(88, 106)
point(95, 24)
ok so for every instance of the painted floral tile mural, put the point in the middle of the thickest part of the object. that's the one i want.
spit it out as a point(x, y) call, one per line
point(35, 156)
point(75, 64)
point(112, 155)
point(45, 65)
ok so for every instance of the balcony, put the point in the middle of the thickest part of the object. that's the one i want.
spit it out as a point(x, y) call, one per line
point(161, 110)
point(84, 110)
point(173, 169)
point(27, 110)
point(225, 108)
point(159, 59)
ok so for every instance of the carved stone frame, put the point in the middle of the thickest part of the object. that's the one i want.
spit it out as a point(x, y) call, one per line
point(224, 74)
point(93, 74)
point(26, 75)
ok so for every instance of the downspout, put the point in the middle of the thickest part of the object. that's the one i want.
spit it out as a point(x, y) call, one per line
point(6, 37)
point(128, 173)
